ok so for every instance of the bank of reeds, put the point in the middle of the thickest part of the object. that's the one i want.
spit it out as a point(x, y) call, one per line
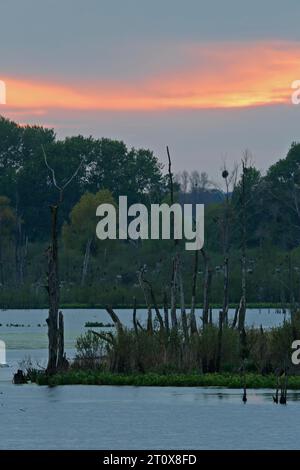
point(208, 350)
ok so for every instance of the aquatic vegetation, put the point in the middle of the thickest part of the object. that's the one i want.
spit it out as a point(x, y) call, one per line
point(96, 324)
point(235, 381)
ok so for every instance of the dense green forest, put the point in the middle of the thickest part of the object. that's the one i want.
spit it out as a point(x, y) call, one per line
point(264, 209)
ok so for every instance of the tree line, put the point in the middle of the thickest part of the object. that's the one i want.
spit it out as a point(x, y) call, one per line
point(247, 209)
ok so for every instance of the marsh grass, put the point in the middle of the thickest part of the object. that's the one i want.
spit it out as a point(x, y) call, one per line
point(128, 357)
point(234, 381)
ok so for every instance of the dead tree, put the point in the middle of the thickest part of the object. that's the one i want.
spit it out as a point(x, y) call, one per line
point(174, 322)
point(116, 320)
point(53, 284)
point(166, 313)
point(206, 287)
point(235, 318)
point(242, 305)
point(210, 318)
point(230, 184)
point(283, 392)
point(225, 175)
point(292, 303)
point(143, 287)
point(53, 294)
point(219, 345)
point(135, 326)
point(276, 396)
point(62, 362)
point(193, 302)
point(182, 308)
point(21, 245)
point(175, 260)
point(153, 300)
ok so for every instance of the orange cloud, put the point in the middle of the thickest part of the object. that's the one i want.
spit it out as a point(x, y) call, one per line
point(214, 75)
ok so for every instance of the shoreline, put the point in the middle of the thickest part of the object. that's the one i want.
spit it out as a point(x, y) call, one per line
point(250, 306)
point(225, 380)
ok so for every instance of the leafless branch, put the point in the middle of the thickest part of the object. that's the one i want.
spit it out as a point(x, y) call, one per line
point(170, 176)
point(55, 184)
point(51, 170)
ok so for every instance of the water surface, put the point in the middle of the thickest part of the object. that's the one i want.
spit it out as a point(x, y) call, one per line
point(105, 417)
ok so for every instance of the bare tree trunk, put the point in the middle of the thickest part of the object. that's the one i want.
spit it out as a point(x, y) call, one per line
point(174, 322)
point(117, 322)
point(53, 293)
point(149, 317)
point(135, 326)
point(242, 306)
point(193, 302)
point(235, 318)
point(182, 307)
point(292, 303)
point(175, 260)
point(20, 246)
point(86, 261)
point(166, 313)
point(149, 321)
point(225, 290)
point(219, 347)
point(61, 360)
point(154, 303)
point(18, 251)
point(210, 320)
point(53, 286)
point(206, 287)
point(207, 312)
point(226, 252)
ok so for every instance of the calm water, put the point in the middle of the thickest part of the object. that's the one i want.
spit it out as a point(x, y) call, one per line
point(34, 333)
point(91, 417)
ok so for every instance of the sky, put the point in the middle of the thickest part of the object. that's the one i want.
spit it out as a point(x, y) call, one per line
point(209, 79)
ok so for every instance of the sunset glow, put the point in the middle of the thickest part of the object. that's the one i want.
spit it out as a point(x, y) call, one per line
point(217, 76)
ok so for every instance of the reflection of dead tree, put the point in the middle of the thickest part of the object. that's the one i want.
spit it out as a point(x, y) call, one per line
point(55, 330)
